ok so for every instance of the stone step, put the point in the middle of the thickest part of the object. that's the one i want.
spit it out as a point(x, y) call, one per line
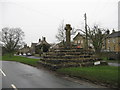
point(57, 61)
point(67, 56)
point(67, 53)
point(72, 47)
point(71, 64)
point(73, 50)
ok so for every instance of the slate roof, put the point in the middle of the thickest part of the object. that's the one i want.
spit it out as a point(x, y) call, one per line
point(43, 42)
point(115, 34)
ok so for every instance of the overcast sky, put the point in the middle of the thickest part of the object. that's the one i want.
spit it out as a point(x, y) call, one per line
point(39, 18)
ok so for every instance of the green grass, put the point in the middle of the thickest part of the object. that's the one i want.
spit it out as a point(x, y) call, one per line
point(24, 60)
point(103, 74)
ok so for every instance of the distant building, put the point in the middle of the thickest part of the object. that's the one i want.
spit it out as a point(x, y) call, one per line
point(113, 42)
point(42, 46)
point(32, 48)
point(24, 50)
point(79, 40)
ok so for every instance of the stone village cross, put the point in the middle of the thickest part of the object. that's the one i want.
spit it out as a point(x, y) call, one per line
point(68, 34)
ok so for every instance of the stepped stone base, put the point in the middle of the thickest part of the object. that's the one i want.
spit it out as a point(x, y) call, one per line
point(69, 58)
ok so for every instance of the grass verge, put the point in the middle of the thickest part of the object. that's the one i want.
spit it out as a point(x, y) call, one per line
point(101, 74)
point(25, 60)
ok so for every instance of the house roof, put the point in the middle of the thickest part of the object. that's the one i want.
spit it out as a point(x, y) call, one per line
point(43, 42)
point(33, 44)
point(114, 34)
point(78, 35)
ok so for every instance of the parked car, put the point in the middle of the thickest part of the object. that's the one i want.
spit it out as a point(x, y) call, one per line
point(29, 54)
point(24, 54)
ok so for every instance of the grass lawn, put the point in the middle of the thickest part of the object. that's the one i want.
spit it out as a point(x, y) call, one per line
point(103, 74)
point(24, 60)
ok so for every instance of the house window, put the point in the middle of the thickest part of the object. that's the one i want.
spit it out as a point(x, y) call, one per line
point(114, 47)
point(75, 42)
point(113, 40)
point(109, 48)
point(78, 41)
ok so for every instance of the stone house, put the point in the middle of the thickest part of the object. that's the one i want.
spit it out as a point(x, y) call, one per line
point(42, 46)
point(24, 50)
point(112, 46)
point(79, 40)
point(113, 42)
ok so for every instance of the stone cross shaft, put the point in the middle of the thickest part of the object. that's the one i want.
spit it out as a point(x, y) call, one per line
point(68, 34)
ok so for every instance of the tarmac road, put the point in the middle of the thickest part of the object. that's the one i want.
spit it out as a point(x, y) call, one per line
point(16, 75)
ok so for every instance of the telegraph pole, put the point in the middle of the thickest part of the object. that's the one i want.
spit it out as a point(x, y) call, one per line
point(86, 46)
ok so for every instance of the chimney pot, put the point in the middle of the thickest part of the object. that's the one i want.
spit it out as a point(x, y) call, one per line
point(44, 39)
point(39, 40)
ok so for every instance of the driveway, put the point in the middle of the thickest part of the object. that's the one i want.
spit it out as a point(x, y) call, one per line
point(114, 64)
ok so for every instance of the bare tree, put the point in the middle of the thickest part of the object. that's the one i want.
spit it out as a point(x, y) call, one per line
point(61, 32)
point(12, 38)
point(97, 36)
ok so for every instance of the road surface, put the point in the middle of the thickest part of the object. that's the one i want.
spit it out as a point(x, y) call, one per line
point(114, 64)
point(17, 75)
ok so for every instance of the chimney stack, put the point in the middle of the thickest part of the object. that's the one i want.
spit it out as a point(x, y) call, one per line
point(44, 39)
point(108, 31)
point(39, 40)
point(113, 30)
